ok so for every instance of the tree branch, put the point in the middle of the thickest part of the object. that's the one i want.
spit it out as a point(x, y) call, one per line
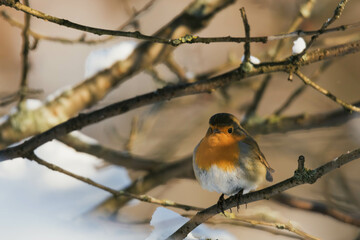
point(87, 93)
point(174, 42)
point(25, 55)
point(313, 206)
point(168, 93)
point(143, 198)
point(301, 176)
point(325, 92)
point(111, 156)
point(304, 8)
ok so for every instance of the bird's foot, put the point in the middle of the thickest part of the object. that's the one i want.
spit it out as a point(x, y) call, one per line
point(238, 196)
point(220, 204)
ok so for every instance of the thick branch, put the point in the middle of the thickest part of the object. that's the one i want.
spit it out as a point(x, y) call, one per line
point(300, 177)
point(87, 93)
point(168, 93)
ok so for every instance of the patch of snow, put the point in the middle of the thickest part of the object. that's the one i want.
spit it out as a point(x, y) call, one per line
point(299, 46)
point(166, 222)
point(84, 138)
point(253, 60)
point(103, 58)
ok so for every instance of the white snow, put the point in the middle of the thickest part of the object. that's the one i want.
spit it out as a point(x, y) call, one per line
point(166, 222)
point(84, 137)
point(103, 58)
point(45, 204)
point(32, 104)
point(253, 60)
point(299, 46)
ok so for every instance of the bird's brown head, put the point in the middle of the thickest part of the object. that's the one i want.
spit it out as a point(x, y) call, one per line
point(225, 128)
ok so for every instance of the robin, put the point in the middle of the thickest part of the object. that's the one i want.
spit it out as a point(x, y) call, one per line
point(228, 160)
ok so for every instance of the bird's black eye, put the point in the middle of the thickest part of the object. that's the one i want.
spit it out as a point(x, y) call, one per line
point(230, 130)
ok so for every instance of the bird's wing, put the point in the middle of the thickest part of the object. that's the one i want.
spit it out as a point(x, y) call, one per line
point(256, 150)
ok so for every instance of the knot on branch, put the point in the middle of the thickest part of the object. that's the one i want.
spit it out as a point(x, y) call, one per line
point(302, 174)
point(185, 39)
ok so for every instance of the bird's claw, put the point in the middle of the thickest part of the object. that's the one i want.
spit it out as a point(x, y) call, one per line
point(238, 196)
point(220, 204)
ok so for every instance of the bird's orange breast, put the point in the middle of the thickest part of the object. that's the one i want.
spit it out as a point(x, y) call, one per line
point(218, 150)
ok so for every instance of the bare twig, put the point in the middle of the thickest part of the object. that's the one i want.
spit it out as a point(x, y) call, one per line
point(247, 35)
point(176, 68)
point(117, 158)
point(304, 12)
point(99, 31)
point(300, 177)
point(337, 13)
point(175, 42)
point(161, 175)
point(143, 198)
point(25, 54)
point(90, 91)
point(300, 89)
point(308, 81)
point(310, 205)
point(10, 98)
point(167, 93)
point(274, 124)
point(278, 225)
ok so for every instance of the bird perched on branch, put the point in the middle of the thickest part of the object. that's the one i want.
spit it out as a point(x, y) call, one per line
point(228, 160)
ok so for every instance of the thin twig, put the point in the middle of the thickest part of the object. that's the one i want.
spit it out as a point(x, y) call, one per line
point(25, 54)
point(99, 31)
point(278, 225)
point(168, 93)
point(176, 68)
point(304, 12)
point(13, 97)
point(301, 89)
point(308, 81)
point(82, 39)
point(115, 193)
point(161, 175)
point(174, 42)
point(300, 177)
point(247, 35)
point(111, 156)
point(313, 206)
point(337, 13)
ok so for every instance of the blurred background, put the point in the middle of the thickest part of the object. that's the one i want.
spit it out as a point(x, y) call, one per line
point(43, 203)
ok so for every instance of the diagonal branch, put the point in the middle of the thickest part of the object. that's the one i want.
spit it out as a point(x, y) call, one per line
point(143, 198)
point(168, 93)
point(301, 176)
point(111, 156)
point(70, 102)
point(300, 89)
point(308, 81)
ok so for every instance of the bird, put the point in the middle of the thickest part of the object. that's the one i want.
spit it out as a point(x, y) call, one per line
point(228, 160)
